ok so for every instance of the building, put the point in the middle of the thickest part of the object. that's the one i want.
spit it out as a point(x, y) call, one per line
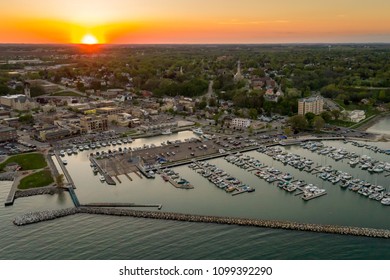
point(18, 102)
point(53, 134)
point(272, 96)
point(240, 123)
point(356, 116)
point(93, 124)
point(7, 134)
point(314, 104)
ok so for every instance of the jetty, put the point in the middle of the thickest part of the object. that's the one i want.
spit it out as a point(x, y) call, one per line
point(36, 217)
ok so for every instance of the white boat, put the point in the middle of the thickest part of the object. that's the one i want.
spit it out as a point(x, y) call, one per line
point(64, 161)
point(151, 174)
point(198, 131)
point(166, 132)
point(386, 201)
point(102, 178)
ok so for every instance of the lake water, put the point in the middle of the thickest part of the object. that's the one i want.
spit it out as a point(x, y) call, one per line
point(106, 237)
point(381, 127)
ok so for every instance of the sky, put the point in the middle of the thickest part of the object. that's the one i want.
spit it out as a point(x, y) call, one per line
point(195, 21)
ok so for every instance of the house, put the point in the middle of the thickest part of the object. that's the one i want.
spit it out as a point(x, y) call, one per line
point(272, 96)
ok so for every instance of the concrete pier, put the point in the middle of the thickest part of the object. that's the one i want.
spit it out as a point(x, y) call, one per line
point(11, 195)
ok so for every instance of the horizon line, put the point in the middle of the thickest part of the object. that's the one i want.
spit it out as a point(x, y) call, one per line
point(284, 43)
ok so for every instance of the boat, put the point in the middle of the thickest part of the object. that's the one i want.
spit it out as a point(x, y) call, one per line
point(102, 178)
point(64, 161)
point(151, 174)
point(166, 132)
point(62, 153)
point(197, 131)
point(385, 201)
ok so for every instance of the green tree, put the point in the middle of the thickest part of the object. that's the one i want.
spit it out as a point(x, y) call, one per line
point(298, 123)
point(318, 123)
point(253, 113)
point(288, 131)
point(60, 181)
point(26, 119)
point(310, 116)
point(336, 114)
point(327, 116)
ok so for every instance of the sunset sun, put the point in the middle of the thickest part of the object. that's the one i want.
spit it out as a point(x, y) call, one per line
point(89, 39)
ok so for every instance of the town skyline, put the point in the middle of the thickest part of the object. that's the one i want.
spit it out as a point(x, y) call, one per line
point(195, 22)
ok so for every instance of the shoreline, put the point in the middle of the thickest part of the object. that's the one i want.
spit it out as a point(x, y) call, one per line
point(372, 122)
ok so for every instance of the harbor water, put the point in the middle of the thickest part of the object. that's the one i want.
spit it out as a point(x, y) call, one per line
point(103, 237)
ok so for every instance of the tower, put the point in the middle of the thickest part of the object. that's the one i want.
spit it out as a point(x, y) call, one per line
point(27, 90)
point(238, 76)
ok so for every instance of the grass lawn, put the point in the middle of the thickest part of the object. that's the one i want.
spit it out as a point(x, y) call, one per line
point(36, 180)
point(26, 161)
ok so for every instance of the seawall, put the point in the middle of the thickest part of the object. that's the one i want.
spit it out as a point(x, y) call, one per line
point(333, 229)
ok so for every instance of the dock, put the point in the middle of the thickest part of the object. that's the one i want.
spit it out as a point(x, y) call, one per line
point(65, 171)
point(107, 177)
point(179, 186)
point(314, 196)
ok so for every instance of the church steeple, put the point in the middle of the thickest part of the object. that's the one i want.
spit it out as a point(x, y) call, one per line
point(238, 76)
point(27, 90)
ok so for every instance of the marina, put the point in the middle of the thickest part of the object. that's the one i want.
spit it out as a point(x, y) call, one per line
point(253, 168)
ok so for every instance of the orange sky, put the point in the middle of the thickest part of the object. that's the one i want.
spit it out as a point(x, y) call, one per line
point(190, 21)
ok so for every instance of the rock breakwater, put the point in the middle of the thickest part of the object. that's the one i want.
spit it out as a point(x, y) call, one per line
point(333, 229)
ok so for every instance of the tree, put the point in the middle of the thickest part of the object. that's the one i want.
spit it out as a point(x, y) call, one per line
point(327, 116)
point(253, 113)
point(287, 131)
point(336, 114)
point(26, 119)
point(60, 181)
point(318, 123)
point(310, 116)
point(298, 123)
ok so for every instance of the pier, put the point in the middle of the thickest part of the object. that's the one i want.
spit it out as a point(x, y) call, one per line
point(73, 196)
point(11, 195)
point(179, 186)
point(107, 177)
point(65, 171)
point(36, 217)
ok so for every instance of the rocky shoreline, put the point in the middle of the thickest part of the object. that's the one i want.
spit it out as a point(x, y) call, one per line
point(36, 217)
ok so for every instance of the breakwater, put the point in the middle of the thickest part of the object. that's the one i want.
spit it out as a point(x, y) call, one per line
point(40, 191)
point(333, 229)
point(36, 217)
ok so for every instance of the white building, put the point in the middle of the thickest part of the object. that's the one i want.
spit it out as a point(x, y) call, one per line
point(356, 116)
point(240, 123)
